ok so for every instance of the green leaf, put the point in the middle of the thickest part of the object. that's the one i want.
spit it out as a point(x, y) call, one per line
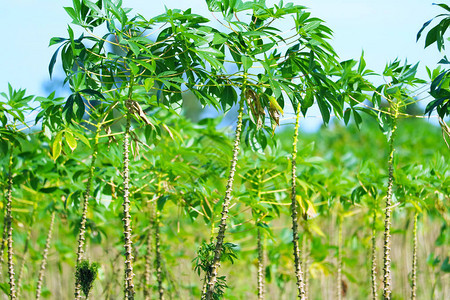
point(92, 6)
point(70, 140)
point(350, 277)
point(81, 138)
point(432, 36)
point(445, 267)
point(432, 260)
point(68, 108)
point(275, 103)
point(71, 36)
point(71, 12)
point(148, 84)
point(48, 190)
point(77, 5)
point(210, 51)
point(57, 146)
point(275, 86)
point(228, 97)
point(347, 114)
point(247, 62)
point(362, 64)
point(444, 6)
point(149, 66)
point(94, 93)
point(324, 110)
point(81, 107)
point(117, 12)
point(134, 47)
point(134, 68)
point(4, 286)
point(358, 119)
point(422, 29)
point(161, 202)
point(218, 39)
point(56, 40)
point(52, 62)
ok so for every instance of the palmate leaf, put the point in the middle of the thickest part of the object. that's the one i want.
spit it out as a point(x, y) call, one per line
point(437, 83)
point(7, 137)
point(444, 61)
point(436, 34)
point(68, 109)
point(439, 90)
point(440, 105)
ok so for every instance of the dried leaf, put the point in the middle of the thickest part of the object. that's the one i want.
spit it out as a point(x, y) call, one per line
point(137, 110)
point(255, 107)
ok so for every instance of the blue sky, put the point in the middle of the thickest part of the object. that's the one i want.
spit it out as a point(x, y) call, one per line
point(384, 29)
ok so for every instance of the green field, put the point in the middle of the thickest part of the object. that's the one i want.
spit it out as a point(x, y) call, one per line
point(131, 188)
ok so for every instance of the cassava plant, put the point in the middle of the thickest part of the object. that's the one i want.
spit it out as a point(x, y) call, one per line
point(280, 70)
point(413, 188)
point(339, 187)
point(85, 205)
point(25, 252)
point(294, 214)
point(226, 203)
point(263, 180)
point(309, 63)
point(148, 254)
point(136, 73)
point(368, 190)
point(397, 94)
point(12, 116)
point(66, 131)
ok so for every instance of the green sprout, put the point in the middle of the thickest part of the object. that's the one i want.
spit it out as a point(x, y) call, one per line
point(85, 274)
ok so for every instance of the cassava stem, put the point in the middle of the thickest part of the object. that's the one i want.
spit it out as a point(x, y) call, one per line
point(12, 285)
point(305, 257)
point(157, 237)
point(158, 254)
point(148, 259)
point(225, 207)
point(260, 266)
point(387, 223)
point(129, 286)
point(373, 270)
point(44, 257)
point(2, 247)
point(294, 217)
point(339, 263)
point(25, 251)
point(414, 260)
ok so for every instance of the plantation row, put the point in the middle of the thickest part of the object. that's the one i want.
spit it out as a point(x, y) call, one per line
point(113, 191)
